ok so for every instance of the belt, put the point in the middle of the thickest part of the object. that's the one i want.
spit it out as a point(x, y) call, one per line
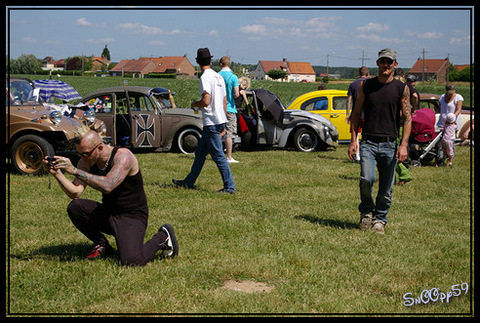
point(379, 139)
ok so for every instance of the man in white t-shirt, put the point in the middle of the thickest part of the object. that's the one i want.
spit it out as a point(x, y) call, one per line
point(213, 104)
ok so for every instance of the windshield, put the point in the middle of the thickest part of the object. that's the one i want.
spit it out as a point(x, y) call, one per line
point(21, 92)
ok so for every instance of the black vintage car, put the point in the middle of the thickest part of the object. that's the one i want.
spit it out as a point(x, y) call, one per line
point(265, 121)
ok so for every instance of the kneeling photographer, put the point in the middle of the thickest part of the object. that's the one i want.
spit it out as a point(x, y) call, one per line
point(123, 212)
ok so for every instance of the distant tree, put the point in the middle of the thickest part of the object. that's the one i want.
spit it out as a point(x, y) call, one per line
point(277, 74)
point(80, 63)
point(25, 64)
point(106, 53)
point(455, 75)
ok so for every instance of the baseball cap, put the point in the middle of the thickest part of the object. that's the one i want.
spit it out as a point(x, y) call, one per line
point(388, 53)
point(450, 88)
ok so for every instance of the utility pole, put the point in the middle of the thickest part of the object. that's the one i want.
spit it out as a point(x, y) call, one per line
point(327, 64)
point(363, 58)
point(423, 67)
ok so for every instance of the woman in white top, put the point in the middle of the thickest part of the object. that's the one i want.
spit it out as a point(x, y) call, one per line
point(450, 102)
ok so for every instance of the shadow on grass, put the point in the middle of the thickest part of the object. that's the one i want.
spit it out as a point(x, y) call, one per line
point(327, 222)
point(64, 252)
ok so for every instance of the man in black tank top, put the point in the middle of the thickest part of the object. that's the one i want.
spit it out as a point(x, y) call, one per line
point(386, 104)
point(123, 212)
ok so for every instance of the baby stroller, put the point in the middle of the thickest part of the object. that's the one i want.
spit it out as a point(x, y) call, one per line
point(424, 143)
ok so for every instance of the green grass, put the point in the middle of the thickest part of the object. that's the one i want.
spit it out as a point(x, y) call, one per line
point(291, 225)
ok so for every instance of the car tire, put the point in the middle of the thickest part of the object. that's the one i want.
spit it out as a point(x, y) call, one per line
point(28, 153)
point(187, 140)
point(305, 140)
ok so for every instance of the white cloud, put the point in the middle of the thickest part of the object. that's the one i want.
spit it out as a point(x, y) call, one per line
point(213, 33)
point(463, 40)
point(30, 40)
point(425, 35)
point(254, 29)
point(277, 21)
point(322, 27)
point(101, 41)
point(373, 27)
point(374, 38)
point(84, 22)
point(138, 28)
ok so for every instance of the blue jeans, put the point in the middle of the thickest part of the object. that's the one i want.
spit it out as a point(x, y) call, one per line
point(382, 155)
point(211, 143)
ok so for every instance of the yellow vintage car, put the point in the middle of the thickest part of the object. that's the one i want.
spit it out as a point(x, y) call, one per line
point(331, 104)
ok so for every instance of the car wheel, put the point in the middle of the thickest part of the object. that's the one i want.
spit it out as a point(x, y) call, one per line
point(187, 140)
point(305, 140)
point(28, 153)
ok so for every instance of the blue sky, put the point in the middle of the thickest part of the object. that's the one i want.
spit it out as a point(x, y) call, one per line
point(310, 35)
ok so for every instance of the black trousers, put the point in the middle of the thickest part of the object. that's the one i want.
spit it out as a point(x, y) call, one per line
point(94, 219)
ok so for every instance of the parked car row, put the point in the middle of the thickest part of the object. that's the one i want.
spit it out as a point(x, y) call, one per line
point(143, 118)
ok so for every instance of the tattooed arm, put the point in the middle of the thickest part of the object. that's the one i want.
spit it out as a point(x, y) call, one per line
point(402, 152)
point(123, 164)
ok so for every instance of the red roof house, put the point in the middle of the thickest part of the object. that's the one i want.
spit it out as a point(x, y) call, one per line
point(427, 69)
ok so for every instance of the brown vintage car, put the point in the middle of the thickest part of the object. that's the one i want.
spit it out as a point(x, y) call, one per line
point(34, 131)
point(142, 118)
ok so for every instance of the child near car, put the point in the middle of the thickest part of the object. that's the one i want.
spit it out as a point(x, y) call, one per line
point(449, 132)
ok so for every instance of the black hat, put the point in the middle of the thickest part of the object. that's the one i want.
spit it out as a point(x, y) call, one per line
point(203, 53)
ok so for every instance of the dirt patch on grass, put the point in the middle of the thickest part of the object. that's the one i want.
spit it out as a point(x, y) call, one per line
point(247, 286)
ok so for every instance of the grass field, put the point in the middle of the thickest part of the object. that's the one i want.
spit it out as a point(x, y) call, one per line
point(187, 91)
point(292, 226)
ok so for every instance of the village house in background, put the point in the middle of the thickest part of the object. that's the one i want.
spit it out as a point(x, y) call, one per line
point(98, 64)
point(179, 65)
point(53, 65)
point(296, 71)
point(427, 69)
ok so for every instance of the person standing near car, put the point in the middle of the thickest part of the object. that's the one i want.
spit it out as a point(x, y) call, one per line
point(231, 82)
point(352, 93)
point(123, 213)
point(213, 104)
point(384, 102)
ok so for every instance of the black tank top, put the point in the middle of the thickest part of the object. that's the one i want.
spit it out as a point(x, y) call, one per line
point(383, 103)
point(129, 196)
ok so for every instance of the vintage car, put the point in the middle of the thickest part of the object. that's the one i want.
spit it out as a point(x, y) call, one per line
point(143, 118)
point(266, 122)
point(428, 100)
point(34, 131)
point(331, 104)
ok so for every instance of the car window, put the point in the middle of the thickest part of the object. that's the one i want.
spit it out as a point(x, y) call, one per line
point(20, 92)
point(140, 102)
point(101, 104)
point(315, 104)
point(340, 103)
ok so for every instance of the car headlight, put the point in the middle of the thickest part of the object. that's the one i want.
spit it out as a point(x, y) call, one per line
point(89, 115)
point(55, 117)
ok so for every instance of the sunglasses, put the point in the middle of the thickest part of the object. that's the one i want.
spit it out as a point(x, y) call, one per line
point(385, 60)
point(88, 153)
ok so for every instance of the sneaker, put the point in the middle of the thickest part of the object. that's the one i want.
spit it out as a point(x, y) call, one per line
point(170, 246)
point(379, 227)
point(224, 190)
point(99, 252)
point(232, 161)
point(179, 183)
point(365, 221)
